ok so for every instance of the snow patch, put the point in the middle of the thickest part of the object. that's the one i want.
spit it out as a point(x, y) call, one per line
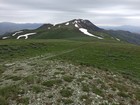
point(75, 21)
point(76, 25)
point(4, 37)
point(25, 35)
point(83, 30)
point(49, 28)
point(118, 39)
point(17, 33)
point(67, 24)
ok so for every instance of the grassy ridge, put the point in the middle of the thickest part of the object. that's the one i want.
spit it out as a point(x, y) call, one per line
point(58, 33)
point(17, 49)
point(109, 56)
point(118, 57)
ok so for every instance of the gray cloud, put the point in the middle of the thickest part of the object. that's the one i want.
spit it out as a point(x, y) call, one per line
point(101, 12)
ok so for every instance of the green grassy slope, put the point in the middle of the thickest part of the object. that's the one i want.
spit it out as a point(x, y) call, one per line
point(17, 49)
point(58, 33)
point(108, 56)
point(117, 57)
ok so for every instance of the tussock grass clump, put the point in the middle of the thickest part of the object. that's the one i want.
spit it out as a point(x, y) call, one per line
point(51, 83)
point(36, 88)
point(9, 92)
point(57, 73)
point(67, 101)
point(24, 101)
point(31, 79)
point(80, 79)
point(1, 69)
point(14, 78)
point(85, 87)
point(50, 96)
point(122, 94)
point(67, 92)
point(119, 87)
point(3, 101)
point(96, 90)
point(68, 78)
point(87, 100)
point(84, 97)
point(137, 93)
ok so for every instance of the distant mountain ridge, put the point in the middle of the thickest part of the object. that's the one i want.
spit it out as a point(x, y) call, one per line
point(74, 29)
point(6, 27)
point(134, 29)
point(70, 29)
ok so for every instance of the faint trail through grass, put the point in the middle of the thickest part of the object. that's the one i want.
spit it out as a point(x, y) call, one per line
point(48, 56)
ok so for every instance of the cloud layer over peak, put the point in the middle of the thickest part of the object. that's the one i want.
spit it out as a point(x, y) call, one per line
point(101, 12)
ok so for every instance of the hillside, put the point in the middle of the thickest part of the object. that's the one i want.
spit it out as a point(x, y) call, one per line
point(126, 36)
point(69, 72)
point(71, 63)
point(71, 29)
point(74, 29)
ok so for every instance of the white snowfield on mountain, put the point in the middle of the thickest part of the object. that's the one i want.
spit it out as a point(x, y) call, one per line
point(4, 37)
point(25, 35)
point(118, 39)
point(76, 21)
point(17, 33)
point(67, 24)
point(83, 30)
point(76, 26)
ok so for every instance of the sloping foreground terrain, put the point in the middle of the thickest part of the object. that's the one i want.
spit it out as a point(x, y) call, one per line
point(60, 72)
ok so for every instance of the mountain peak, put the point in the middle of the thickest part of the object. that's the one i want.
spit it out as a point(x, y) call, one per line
point(77, 27)
point(85, 24)
point(79, 20)
point(75, 23)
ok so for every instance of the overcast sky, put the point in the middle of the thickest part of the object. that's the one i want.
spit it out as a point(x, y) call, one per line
point(100, 12)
